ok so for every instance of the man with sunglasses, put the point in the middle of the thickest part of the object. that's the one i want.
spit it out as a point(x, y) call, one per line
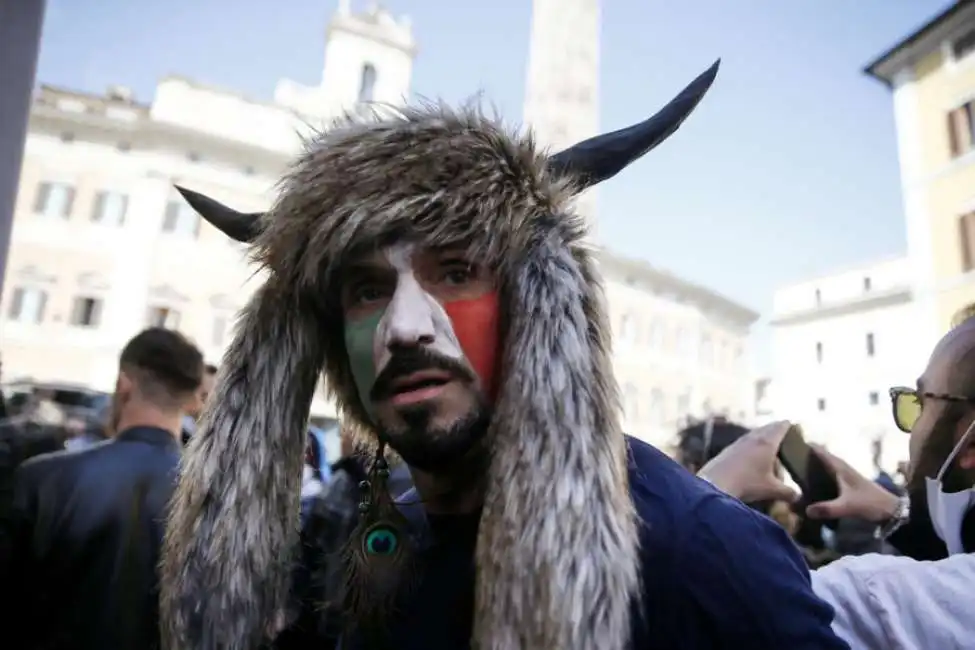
point(884, 601)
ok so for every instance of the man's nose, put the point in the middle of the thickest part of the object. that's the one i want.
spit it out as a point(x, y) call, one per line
point(411, 321)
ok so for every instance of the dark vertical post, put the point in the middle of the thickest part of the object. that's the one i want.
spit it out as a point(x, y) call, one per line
point(20, 43)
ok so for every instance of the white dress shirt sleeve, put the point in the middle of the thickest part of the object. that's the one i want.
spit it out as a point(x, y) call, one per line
point(884, 602)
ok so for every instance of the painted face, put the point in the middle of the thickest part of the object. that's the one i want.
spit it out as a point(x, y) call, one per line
point(421, 330)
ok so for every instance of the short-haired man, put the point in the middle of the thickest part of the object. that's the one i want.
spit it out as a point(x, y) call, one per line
point(86, 526)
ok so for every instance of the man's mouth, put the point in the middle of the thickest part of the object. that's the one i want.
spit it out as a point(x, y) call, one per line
point(418, 387)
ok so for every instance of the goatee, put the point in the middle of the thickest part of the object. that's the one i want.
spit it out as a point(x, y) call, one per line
point(438, 450)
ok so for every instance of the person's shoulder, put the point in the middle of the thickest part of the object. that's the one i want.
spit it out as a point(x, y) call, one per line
point(663, 491)
point(57, 463)
point(51, 461)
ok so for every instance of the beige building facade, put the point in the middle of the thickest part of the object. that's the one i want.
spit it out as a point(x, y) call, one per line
point(680, 350)
point(103, 245)
point(931, 75)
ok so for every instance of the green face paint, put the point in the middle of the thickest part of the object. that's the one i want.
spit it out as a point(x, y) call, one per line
point(360, 337)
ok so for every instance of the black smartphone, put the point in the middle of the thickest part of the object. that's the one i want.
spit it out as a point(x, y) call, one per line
point(808, 471)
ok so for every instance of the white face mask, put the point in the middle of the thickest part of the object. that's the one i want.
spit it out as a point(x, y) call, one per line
point(948, 509)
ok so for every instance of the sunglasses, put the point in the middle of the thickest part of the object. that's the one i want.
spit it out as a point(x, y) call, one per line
point(907, 404)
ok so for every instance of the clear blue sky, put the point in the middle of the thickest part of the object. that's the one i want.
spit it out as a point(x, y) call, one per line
point(788, 168)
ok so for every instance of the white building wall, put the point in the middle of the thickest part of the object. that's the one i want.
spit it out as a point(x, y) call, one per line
point(824, 376)
point(678, 352)
point(375, 39)
point(213, 141)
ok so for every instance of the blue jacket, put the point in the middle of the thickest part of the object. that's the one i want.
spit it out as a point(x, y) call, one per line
point(717, 574)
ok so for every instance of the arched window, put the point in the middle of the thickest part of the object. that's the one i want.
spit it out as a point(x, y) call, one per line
point(367, 83)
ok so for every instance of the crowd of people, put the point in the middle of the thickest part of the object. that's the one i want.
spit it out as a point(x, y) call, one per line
point(431, 265)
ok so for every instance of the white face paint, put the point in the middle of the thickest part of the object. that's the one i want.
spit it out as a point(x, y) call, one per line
point(412, 315)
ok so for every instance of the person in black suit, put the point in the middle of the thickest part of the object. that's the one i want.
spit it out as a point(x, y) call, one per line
point(86, 527)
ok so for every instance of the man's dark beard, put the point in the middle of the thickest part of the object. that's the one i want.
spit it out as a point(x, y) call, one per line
point(933, 455)
point(438, 451)
point(431, 450)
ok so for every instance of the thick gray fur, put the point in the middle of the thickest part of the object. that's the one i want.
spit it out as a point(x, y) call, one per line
point(557, 553)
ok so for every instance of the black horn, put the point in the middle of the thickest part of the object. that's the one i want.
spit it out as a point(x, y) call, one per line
point(240, 226)
point(594, 160)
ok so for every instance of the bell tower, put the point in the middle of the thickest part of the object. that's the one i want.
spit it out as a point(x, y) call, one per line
point(368, 56)
point(562, 93)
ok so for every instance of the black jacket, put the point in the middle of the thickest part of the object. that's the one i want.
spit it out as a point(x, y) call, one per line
point(86, 528)
point(318, 581)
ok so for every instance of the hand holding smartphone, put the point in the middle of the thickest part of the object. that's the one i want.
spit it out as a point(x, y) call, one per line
point(809, 471)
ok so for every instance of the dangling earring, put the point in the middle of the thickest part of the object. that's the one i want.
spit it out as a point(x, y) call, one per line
point(377, 553)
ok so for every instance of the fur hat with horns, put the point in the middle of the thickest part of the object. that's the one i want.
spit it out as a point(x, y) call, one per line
point(558, 461)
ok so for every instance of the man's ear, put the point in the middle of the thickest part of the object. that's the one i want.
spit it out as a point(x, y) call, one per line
point(966, 455)
point(122, 383)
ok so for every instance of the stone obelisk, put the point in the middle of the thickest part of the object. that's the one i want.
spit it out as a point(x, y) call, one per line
point(562, 95)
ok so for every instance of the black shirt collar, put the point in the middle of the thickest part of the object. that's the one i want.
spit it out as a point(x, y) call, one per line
point(149, 435)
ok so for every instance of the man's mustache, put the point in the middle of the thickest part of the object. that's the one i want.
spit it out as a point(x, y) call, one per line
point(410, 360)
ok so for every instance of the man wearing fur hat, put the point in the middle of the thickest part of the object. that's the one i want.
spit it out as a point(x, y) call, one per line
point(431, 263)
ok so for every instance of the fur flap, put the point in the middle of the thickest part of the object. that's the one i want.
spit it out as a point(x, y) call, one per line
point(557, 552)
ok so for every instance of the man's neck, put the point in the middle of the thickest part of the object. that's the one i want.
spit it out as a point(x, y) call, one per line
point(149, 416)
point(453, 495)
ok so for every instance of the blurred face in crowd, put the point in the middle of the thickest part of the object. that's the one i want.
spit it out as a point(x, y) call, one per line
point(195, 409)
point(940, 410)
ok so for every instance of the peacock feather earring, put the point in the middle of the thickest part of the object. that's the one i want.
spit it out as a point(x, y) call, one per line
point(378, 554)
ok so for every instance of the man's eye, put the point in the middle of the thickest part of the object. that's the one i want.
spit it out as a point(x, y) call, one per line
point(457, 273)
point(366, 294)
point(457, 277)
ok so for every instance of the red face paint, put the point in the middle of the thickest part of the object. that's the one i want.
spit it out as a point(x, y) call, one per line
point(476, 325)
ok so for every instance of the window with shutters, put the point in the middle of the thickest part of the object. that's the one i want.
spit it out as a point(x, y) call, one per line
point(163, 317)
point(181, 219)
point(707, 350)
point(631, 403)
point(966, 241)
point(27, 305)
point(964, 45)
point(109, 208)
point(54, 200)
point(628, 328)
point(658, 410)
point(961, 129)
point(86, 311)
